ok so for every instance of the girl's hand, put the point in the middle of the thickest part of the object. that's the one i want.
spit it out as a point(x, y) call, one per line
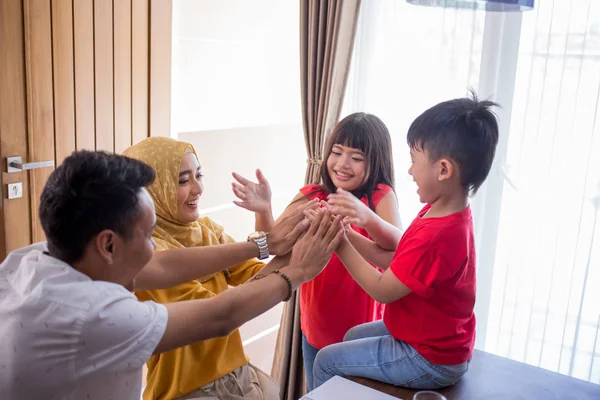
point(345, 220)
point(254, 197)
point(346, 204)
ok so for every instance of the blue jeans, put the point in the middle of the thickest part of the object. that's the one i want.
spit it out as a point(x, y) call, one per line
point(369, 351)
point(308, 356)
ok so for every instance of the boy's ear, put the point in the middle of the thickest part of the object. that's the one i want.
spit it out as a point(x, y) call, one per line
point(446, 169)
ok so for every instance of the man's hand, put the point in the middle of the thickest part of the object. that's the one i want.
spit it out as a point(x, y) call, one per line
point(314, 249)
point(286, 231)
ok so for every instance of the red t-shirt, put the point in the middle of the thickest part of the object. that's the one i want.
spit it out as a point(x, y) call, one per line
point(333, 302)
point(436, 260)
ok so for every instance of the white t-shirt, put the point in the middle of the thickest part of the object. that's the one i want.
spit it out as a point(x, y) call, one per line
point(65, 336)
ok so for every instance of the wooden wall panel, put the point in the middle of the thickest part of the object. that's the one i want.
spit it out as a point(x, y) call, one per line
point(103, 63)
point(122, 68)
point(160, 67)
point(14, 233)
point(40, 108)
point(139, 66)
point(75, 74)
point(64, 83)
point(85, 109)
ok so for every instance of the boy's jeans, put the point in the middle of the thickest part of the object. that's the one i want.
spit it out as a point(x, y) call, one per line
point(369, 351)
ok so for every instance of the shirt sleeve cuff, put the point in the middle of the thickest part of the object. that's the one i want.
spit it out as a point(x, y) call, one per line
point(158, 331)
point(411, 282)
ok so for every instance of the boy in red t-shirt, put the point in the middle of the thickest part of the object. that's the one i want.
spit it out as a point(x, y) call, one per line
point(426, 338)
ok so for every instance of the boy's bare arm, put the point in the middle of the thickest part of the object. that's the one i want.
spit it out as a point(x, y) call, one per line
point(384, 288)
point(370, 250)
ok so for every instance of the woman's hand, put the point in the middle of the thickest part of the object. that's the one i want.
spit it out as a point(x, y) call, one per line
point(289, 228)
point(254, 197)
point(347, 205)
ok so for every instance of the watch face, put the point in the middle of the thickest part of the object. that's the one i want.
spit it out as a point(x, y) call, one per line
point(256, 235)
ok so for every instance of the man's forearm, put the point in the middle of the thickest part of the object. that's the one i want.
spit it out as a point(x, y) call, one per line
point(276, 263)
point(172, 267)
point(241, 310)
point(370, 250)
point(195, 320)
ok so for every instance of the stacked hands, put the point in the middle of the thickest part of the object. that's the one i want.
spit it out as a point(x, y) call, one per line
point(312, 230)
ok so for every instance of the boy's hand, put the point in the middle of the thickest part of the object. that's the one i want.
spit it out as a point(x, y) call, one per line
point(314, 249)
point(254, 197)
point(286, 231)
point(346, 204)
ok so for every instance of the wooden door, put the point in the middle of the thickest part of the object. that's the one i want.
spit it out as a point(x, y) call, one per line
point(75, 74)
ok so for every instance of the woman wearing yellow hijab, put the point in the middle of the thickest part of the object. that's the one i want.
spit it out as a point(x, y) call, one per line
point(215, 368)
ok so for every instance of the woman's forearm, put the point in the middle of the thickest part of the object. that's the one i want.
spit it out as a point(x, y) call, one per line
point(175, 266)
point(264, 221)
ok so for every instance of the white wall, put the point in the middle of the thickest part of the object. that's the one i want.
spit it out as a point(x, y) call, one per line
point(278, 150)
point(236, 98)
point(235, 64)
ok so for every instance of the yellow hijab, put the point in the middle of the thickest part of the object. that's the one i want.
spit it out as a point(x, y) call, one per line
point(165, 155)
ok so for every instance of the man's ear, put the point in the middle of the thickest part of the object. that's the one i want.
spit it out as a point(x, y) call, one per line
point(105, 245)
point(446, 169)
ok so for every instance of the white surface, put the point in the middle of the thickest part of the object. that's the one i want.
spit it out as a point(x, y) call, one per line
point(341, 388)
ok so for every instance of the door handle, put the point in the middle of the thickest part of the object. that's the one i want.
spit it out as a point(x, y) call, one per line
point(15, 164)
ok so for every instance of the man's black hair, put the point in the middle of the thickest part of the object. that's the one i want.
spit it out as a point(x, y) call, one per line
point(89, 192)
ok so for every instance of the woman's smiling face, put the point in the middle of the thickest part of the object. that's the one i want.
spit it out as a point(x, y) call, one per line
point(190, 189)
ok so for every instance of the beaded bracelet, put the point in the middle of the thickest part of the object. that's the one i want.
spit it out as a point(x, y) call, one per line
point(287, 280)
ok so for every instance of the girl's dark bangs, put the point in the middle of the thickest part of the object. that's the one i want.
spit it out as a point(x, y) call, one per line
point(352, 137)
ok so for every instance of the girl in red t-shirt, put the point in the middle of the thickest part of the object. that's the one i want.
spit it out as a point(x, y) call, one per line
point(359, 161)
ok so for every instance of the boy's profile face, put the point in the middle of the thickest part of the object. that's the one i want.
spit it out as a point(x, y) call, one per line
point(426, 174)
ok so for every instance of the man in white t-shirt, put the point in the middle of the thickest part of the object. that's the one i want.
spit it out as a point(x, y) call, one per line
point(70, 325)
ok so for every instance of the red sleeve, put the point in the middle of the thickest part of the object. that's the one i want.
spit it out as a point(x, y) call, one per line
point(312, 191)
point(418, 265)
point(380, 191)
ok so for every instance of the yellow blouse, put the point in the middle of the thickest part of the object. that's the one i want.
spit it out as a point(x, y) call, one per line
point(178, 372)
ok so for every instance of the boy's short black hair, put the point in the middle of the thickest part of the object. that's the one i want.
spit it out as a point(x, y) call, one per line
point(464, 130)
point(88, 193)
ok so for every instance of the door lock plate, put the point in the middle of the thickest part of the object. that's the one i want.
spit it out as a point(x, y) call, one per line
point(15, 190)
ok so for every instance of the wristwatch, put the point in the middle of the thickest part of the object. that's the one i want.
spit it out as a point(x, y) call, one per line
point(260, 238)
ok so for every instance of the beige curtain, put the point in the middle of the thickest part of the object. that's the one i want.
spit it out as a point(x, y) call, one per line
point(327, 30)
